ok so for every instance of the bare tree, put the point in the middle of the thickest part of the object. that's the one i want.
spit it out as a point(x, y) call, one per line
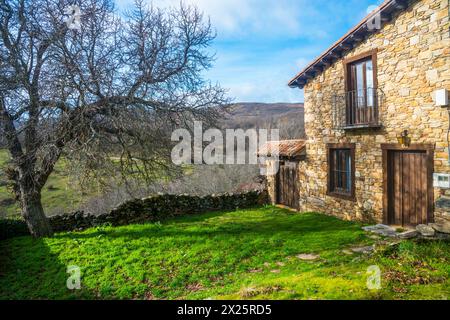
point(107, 92)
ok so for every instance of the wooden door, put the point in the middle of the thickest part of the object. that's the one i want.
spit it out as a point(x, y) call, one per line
point(407, 186)
point(287, 190)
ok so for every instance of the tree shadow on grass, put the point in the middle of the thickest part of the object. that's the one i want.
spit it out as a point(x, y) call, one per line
point(34, 268)
point(301, 225)
point(30, 270)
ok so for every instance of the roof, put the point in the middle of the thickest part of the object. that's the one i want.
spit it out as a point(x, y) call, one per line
point(286, 148)
point(357, 34)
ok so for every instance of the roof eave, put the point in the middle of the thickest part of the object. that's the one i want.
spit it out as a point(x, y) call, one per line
point(347, 42)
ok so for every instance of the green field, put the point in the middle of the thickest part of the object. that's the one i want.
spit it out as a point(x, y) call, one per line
point(249, 254)
point(60, 194)
point(64, 192)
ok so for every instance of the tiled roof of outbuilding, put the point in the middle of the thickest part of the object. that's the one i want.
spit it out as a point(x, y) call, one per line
point(286, 148)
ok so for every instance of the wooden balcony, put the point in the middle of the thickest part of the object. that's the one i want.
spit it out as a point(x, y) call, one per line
point(358, 109)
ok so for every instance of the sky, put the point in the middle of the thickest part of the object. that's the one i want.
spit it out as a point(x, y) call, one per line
point(262, 44)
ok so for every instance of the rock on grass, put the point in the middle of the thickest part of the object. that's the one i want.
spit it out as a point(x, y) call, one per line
point(308, 256)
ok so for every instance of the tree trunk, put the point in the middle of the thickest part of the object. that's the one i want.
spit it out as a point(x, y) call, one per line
point(33, 213)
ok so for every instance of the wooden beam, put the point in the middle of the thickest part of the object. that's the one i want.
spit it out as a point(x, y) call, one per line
point(321, 65)
point(345, 46)
point(325, 62)
point(299, 83)
point(356, 38)
point(366, 30)
point(385, 17)
point(369, 30)
point(400, 4)
point(387, 10)
point(334, 54)
point(309, 74)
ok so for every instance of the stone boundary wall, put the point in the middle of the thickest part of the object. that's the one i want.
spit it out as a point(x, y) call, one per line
point(154, 208)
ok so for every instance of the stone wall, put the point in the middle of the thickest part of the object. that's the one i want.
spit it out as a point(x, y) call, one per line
point(442, 209)
point(271, 182)
point(154, 208)
point(413, 60)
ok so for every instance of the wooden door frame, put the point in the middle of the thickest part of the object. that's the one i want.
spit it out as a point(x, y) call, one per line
point(282, 162)
point(429, 150)
point(277, 182)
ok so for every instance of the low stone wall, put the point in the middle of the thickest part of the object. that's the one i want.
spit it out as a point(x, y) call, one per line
point(154, 208)
point(442, 208)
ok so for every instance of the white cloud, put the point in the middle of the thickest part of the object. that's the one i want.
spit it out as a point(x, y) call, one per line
point(269, 91)
point(238, 17)
point(301, 63)
point(263, 82)
point(262, 44)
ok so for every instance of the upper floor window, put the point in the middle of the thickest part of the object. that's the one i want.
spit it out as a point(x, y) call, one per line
point(361, 81)
point(361, 90)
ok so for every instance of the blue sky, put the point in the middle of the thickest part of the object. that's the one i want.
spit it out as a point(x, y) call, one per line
point(261, 44)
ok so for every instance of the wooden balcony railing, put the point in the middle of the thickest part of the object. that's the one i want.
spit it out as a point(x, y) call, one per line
point(357, 109)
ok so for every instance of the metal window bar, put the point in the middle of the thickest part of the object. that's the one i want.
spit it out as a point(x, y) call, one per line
point(357, 108)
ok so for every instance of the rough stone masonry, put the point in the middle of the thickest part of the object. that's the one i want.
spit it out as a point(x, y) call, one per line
point(413, 60)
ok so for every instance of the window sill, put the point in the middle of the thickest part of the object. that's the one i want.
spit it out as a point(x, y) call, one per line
point(344, 196)
point(362, 126)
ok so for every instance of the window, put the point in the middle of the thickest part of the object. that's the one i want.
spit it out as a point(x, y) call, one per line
point(341, 170)
point(361, 82)
point(361, 89)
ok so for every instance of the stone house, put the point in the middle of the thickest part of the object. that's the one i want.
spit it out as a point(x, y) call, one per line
point(376, 120)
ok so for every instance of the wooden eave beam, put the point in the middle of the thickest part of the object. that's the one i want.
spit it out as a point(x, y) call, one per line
point(356, 38)
point(325, 62)
point(309, 75)
point(385, 17)
point(400, 4)
point(345, 46)
point(387, 11)
point(334, 55)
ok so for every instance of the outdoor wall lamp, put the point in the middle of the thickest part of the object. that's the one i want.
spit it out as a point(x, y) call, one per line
point(403, 139)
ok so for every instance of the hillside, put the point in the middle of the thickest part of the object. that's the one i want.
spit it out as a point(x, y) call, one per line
point(62, 194)
point(288, 117)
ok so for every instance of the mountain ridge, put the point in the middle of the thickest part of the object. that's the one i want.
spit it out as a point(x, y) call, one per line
point(287, 117)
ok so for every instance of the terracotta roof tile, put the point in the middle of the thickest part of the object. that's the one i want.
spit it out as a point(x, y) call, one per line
point(286, 148)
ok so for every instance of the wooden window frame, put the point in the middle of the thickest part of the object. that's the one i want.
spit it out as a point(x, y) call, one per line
point(372, 54)
point(353, 113)
point(336, 146)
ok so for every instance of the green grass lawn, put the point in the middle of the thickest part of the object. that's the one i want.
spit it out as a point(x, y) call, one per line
point(244, 254)
point(60, 194)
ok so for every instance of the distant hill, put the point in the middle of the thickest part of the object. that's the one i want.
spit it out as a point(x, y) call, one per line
point(287, 117)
